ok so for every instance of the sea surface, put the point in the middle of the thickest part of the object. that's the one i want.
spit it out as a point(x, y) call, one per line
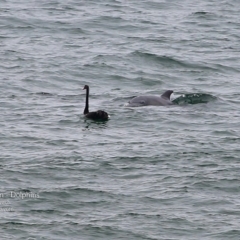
point(149, 173)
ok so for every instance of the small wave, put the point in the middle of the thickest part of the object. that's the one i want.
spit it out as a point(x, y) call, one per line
point(155, 57)
point(44, 93)
point(170, 61)
point(194, 98)
point(200, 13)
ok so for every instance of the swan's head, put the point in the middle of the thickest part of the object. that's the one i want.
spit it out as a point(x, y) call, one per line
point(86, 87)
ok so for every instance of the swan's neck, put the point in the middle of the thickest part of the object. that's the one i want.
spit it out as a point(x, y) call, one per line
point(86, 103)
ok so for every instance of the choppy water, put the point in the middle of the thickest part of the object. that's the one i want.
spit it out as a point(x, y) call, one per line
point(148, 173)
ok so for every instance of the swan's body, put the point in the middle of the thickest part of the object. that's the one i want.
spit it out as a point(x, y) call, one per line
point(163, 100)
point(97, 115)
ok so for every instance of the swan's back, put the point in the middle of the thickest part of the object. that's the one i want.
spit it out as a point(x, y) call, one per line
point(98, 115)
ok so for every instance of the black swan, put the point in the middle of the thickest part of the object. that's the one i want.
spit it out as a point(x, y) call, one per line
point(98, 115)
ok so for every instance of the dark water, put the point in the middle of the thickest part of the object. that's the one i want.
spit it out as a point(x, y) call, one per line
point(147, 173)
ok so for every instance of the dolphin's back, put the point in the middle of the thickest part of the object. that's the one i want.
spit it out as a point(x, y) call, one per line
point(149, 100)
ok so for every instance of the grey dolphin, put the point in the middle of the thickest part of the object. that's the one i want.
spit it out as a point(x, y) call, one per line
point(163, 100)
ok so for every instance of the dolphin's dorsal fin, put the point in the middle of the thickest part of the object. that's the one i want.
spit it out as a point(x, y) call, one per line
point(167, 94)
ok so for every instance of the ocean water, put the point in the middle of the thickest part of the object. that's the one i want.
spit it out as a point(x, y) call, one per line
point(148, 173)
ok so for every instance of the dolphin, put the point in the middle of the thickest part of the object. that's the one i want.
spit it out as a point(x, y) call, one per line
point(163, 100)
